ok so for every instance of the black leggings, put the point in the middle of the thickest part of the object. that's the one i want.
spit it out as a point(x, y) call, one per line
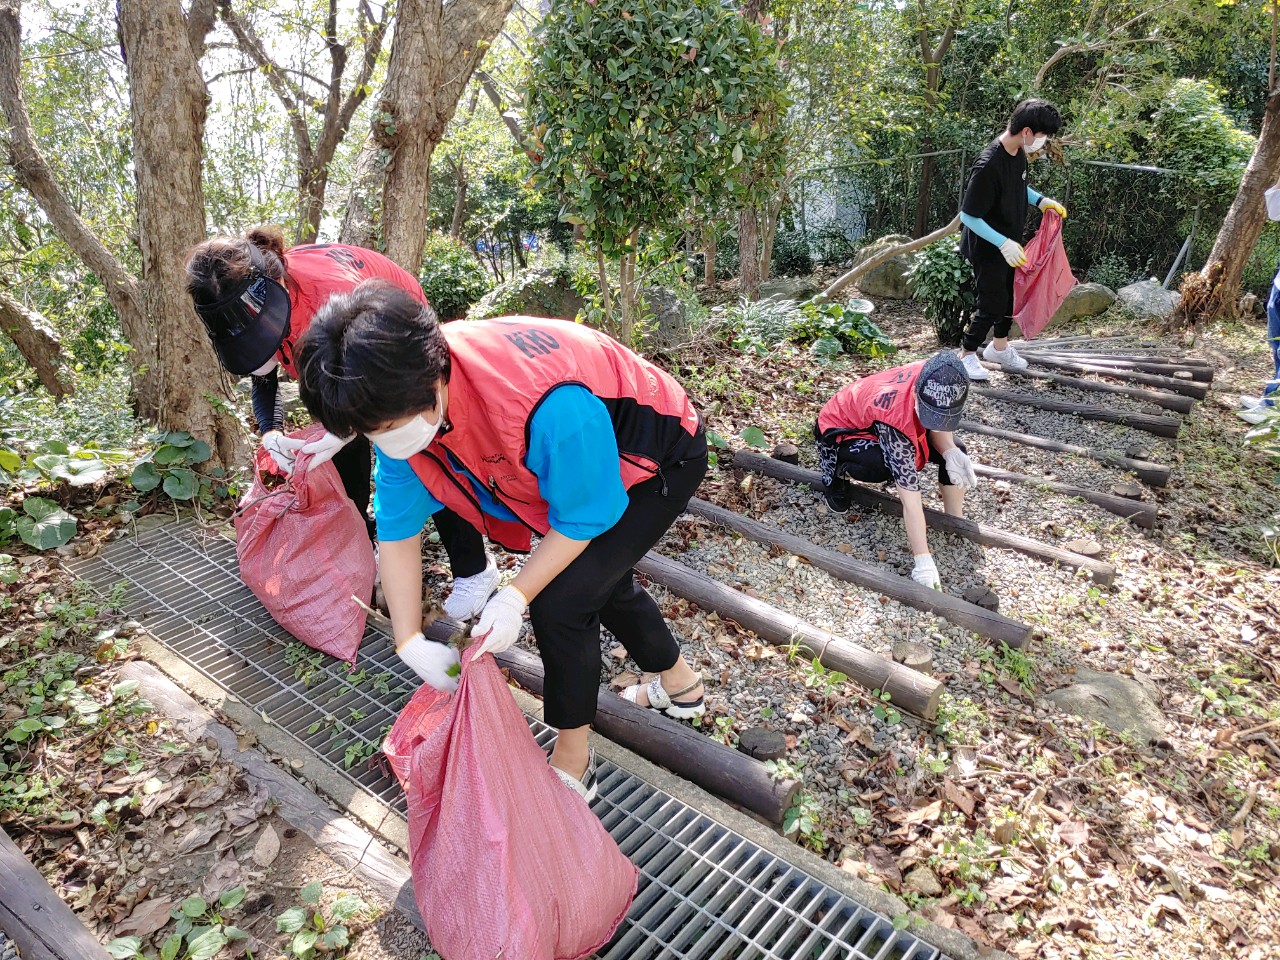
point(867, 465)
point(599, 587)
point(993, 280)
point(461, 541)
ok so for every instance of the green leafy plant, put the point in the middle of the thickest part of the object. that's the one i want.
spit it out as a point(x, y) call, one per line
point(452, 278)
point(42, 524)
point(317, 929)
point(804, 818)
point(883, 710)
point(171, 466)
point(201, 933)
point(831, 329)
point(942, 280)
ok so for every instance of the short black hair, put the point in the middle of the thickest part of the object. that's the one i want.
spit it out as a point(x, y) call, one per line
point(1040, 115)
point(369, 357)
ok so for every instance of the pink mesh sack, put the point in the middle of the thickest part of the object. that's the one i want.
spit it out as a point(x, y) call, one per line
point(1040, 287)
point(304, 551)
point(507, 861)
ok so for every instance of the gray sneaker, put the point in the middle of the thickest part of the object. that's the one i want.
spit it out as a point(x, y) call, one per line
point(586, 787)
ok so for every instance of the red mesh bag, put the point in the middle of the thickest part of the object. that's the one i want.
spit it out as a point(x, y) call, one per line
point(1040, 287)
point(304, 551)
point(507, 861)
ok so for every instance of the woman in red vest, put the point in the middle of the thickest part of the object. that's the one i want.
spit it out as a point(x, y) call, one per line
point(522, 426)
point(256, 300)
point(887, 427)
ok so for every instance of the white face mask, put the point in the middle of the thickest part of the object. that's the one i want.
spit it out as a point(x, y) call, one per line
point(1037, 144)
point(402, 442)
point(266, 368)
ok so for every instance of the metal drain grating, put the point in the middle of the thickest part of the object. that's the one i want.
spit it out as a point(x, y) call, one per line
point(706, 892)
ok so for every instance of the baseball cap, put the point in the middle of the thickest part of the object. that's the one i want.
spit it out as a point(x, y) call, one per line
point(250, 321)
point(941, 390)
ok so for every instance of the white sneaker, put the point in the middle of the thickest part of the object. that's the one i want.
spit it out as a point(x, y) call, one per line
point(470, 594)
point(1007, 358)
point(973, 368)
point(1250, 403)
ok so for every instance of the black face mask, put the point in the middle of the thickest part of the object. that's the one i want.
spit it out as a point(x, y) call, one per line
point(248, 324)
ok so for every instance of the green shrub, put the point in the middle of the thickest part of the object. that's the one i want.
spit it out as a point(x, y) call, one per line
point(834, 328)
point(1112, 270)
point(452, 277)
point(942, 280)
point(1191, 132)
point(791, 255)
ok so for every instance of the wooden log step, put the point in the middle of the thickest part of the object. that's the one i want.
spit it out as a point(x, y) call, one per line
point(1141, 514)
point(1150, 473)
point(1160, 426)
point(728, 773)
point(1117, 356)
point(906, 688)
point(1170, 401)
point(1188, 388)
point(988, 536)
point(982, 622)
point(34, 917)
point(1200, 374)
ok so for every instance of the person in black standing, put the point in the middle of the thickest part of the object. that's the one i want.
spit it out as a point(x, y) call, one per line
point(992, 215)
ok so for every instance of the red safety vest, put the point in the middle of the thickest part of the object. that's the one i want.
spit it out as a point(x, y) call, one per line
point(314, 272)
point(888, 397)
point(501, 370)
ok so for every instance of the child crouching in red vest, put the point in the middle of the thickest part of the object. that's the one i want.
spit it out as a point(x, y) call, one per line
point(888, 426)
point(521, 426)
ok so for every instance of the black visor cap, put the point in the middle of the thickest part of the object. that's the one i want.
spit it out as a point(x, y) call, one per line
point(248, 325)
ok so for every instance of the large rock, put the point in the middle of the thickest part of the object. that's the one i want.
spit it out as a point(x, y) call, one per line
point(1147, 300)
point(670, 318)
point(1084, 300)
point(889, 280)
point(1122, 704)
point(797, 289)
point(534, 293)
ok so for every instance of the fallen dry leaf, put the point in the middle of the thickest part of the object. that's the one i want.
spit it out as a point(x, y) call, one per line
point(920, 814)
point(267, 848)
point(224, 876)
point(1073, 833)
point(624, 680)
point(147, 917)
point(200, 835)
point(883, 862)
point(959, 796)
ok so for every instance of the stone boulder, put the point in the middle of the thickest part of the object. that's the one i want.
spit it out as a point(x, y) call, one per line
point(1084, 300)
point(889, 280)
point(670, 324)
point(535, 293)
point(796, 289)
point(1147, 300)
point(1120, 703)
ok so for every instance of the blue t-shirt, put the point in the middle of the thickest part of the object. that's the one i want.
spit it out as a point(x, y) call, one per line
point(573, 451)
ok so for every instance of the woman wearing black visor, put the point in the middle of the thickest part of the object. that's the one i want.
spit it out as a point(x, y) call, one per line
point(256, 300)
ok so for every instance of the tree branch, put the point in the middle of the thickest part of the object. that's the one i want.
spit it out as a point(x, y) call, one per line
point(200, 21)
point(862, 269)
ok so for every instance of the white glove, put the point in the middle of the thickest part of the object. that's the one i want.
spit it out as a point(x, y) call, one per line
point(431, 661)
point(1013, 253)
point(960, 468)
point(500, 622)
point(283, 450)
point(322, 450)
point(925, 572)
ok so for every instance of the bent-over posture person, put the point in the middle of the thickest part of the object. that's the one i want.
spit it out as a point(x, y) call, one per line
point(887, 427)
point(257, 299)
point(522, 426)
point(993, 213)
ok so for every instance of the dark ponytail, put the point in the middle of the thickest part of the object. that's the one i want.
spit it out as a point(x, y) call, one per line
point(220, 263)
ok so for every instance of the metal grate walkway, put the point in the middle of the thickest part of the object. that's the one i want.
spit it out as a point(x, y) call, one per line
point(706, 892)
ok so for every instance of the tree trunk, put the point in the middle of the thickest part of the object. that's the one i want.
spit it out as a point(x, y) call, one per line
point(36, 341)
point(167, 102)
point(433, 54)
point(36, 177)
point(312, 183)
point(770, 232)
point(709, 255)
point(459, 202)
point(361, 221)
point(748, 255)
point(1240, 230)
point(923, 198)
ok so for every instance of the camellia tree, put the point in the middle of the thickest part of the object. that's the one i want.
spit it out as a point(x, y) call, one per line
point(635, 107)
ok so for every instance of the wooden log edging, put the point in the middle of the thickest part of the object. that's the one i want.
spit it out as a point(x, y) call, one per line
point(1177, 402)
point(1135, 511)
point(1201, 374)
point(1151, 473)
point(1119, 356)
point(907, 689)
point(1189, 388)
point(718, 769)
point(34, 917)
point(1157, 425)
point(1101, 571)
point(985, 623)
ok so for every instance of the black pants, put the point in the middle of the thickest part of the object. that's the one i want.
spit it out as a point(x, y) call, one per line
point(864, 462)
point(993, 280)
point(599, 587)
point(461, 541)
